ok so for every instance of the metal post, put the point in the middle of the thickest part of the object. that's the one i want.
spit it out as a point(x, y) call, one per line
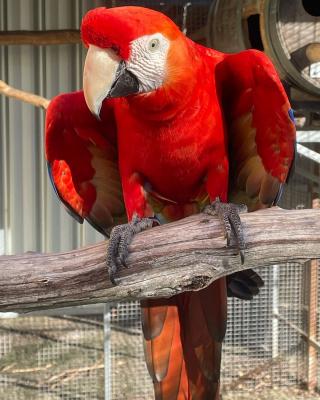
point(275, 311)
point(107, 352)
point(312, 293)
point(184, 17)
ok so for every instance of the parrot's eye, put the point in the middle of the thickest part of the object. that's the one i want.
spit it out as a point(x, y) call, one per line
point(148, 61)
point(154, 45)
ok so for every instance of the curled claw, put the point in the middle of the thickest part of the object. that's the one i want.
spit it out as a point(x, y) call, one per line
point(244, 284)
point(120, 238)
point(228, 214)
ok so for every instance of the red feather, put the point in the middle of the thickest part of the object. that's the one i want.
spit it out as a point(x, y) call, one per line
point(117, 27)
point(219, 126)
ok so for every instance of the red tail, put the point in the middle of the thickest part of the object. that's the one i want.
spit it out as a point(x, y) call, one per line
point(183, 339)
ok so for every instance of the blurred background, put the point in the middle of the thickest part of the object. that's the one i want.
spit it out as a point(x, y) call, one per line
point(273, 342)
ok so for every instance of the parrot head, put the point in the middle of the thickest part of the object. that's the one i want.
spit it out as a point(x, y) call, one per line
point(131, 51)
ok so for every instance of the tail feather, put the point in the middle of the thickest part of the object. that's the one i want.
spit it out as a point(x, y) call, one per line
point(183, 340)
point(163, 349)
point(160, 348)
point(154, 317)
point(214, 307)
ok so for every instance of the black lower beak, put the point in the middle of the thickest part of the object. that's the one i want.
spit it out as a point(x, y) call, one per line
point(124, 84)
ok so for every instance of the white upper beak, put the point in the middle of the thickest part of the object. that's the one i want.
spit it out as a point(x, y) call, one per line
point(98, 76)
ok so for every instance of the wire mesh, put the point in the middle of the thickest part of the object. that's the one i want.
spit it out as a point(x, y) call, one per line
point(262, 349)
point(51, 358)
point(190, 16)
point(130, 378)
point(264, 355)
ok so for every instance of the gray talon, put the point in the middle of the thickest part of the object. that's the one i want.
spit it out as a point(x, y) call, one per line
point(120, 238)
point(228, 214)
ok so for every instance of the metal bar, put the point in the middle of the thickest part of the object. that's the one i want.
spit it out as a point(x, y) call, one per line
point(311, 154)
point(312, 291)
point(184, 17)
point(61, 36)
point(308, 136)
point(275, 309)
point(107, 352)
point(304, 334)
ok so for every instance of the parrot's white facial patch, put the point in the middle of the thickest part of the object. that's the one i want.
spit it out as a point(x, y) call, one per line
point(148, 60)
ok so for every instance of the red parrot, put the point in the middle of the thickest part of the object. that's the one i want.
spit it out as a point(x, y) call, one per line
point(163, 128)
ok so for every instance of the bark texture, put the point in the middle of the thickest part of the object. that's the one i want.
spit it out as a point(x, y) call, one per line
point(185, 255)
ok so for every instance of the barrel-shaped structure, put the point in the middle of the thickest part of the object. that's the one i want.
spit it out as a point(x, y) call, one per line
point(287, 30)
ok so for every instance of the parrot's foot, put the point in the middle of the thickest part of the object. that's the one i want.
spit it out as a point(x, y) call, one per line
point(228, 214)
point(244, 284)
point(120, 238)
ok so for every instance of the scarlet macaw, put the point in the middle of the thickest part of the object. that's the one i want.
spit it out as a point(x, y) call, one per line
point(162, 128)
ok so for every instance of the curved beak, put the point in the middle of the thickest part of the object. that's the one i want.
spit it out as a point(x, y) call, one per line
point(105, 76)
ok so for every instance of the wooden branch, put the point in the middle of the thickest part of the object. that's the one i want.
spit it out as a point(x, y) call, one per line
point(17, 94)
point(164, 261)
point(71, 36)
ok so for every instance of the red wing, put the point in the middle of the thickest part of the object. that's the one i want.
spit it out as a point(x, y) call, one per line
point(260, 125)
point(82, 161)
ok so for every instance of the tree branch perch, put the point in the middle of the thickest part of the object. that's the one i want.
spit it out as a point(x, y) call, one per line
point(164, 261)
point(26, 97)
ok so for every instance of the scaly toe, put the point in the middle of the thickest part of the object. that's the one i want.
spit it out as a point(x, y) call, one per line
point(112, 253)
point(228, 214)
point(120, 238)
